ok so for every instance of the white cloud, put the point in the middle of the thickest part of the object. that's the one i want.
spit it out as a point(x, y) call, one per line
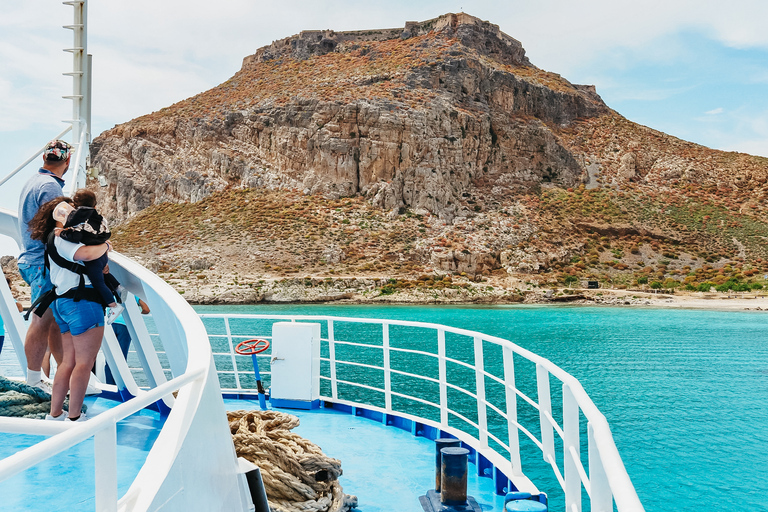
point(743, 129)
point(151, 53)
point(751, 147)
point(715, 111)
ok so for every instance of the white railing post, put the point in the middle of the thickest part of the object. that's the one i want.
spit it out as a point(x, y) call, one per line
point(545, 412)
point(443, 377)
point(482, 418)
point(231, 352)
point(332, 360)
point(105, 451)
point(601, 499)
point(142, 341)
point(387, 368)
point(511, 402)
point(171, 334)
point(571, 451)
point(15, 329)
point(118, 365)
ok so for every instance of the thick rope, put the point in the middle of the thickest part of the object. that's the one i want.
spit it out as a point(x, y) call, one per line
point(20, 400)
point(298, 476)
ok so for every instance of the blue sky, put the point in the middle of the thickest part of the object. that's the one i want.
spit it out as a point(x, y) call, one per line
point(696, 69)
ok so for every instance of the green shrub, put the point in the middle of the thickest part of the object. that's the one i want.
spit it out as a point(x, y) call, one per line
point(670, 283)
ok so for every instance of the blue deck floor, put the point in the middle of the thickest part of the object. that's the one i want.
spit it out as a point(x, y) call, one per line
point(71, 473)
point(385, 467)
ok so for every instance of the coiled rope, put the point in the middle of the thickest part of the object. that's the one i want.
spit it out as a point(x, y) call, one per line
point(20, 400)
point(298, 476)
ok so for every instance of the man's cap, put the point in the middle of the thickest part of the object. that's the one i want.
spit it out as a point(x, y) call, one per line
point(57, 151)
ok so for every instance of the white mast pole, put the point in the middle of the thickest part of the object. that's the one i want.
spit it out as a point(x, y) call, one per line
point(81, 101)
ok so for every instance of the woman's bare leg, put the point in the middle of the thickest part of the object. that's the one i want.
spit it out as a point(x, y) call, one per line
point(47, 362)
point(54, 349)
point(63, 373)
point(86, 347)
point(54, 343)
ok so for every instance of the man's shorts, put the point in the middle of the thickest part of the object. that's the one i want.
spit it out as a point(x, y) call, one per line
point(37, 278)
point(77, 317)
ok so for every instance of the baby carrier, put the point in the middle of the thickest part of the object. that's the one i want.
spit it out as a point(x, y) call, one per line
point(77, 294)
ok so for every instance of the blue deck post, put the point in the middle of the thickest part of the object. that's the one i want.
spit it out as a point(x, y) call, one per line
point(262, 398)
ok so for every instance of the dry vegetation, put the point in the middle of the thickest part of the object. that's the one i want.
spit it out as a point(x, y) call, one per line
point(246, 236)
point(683, 216)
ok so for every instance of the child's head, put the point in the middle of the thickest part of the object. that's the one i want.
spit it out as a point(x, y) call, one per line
point(84, 197)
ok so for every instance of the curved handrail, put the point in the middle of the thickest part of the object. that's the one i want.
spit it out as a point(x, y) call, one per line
point(196, 425)
point(608, 479)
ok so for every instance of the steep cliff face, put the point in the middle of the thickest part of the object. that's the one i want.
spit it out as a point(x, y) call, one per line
point(420, 117)
point(415, 154)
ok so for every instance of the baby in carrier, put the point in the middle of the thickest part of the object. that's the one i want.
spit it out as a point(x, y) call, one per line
point(84, 225)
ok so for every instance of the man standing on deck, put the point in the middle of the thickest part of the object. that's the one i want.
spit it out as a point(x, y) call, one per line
point(47, 184)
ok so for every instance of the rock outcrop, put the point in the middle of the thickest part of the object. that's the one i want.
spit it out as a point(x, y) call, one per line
point(428, 151)
point(418, 117)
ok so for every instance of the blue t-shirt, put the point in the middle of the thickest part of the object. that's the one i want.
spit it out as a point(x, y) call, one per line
point(38, 190)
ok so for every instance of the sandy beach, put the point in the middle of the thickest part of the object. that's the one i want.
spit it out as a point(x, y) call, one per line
point(681, 300)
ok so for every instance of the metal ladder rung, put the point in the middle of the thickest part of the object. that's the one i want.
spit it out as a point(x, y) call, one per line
point(73, 50)
point(74, 2)
point(73, 97)
point(73, 27)
point(73, 73)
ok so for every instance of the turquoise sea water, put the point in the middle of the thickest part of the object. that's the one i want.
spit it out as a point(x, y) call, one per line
point(685, 391)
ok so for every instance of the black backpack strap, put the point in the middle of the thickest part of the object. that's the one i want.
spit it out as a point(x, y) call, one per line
point(45, 300)
point(80, 288)
point(89, 294)
point(58, 259)
point(81, 292)
point(42, 303)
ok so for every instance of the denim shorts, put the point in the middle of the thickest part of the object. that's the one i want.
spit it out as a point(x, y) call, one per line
point(77, 317)
point(37, 278)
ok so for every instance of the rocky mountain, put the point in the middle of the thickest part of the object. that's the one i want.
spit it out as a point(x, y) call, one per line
point(432, 150)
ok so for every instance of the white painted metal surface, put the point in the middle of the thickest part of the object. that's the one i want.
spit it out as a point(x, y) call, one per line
point(295, 361)
point(81, 99)
point(607, 480)
point(192, 465)
point(15, 330)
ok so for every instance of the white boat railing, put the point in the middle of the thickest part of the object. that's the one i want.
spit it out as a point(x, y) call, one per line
point(196, 427)
point(376, 362)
